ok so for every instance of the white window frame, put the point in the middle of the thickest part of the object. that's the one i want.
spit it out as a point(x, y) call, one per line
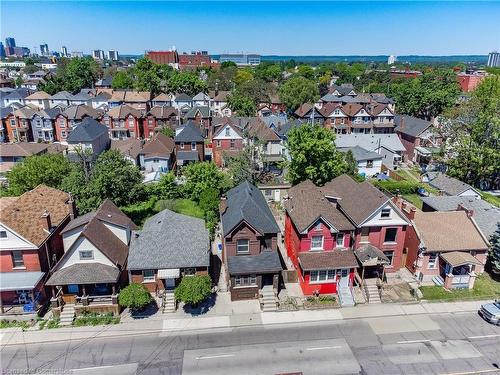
point(433, 265)
point(17, 259)
point(238, 246)
point(322, 276)
point(193, 146)
point(385, 213)
point(81, 252)
point(243, 281)
point(182, 145)
point(228, 132)
point(322, 242)
point(3, 234)
point(148, 279)
point(340, 235)
point(391, 258)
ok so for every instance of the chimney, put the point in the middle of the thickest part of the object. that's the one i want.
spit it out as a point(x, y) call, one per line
point(411, 213)
point(72, 208)
point(403, 205)
point(469, 213)
point(45, 221)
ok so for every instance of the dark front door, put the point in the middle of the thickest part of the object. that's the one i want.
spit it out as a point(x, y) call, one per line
point(267, 279)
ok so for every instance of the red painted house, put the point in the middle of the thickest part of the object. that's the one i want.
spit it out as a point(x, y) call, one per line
point(228, 141)
point(123, 122)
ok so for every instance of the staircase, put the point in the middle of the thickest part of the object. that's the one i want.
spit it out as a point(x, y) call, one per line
point(168, 303)
point(372, 294)
point(438, 280)
point(67, 315)
point(345, 294)
point(268, 299)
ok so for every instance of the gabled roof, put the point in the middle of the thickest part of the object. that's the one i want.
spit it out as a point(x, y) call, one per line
point(351, 109)
point(329, 107)
point(221, 96)
point(163, 97)
point(61, 95)
point(169, 240)
point(25, 112)
point(236, 129)
point(307, 203)
point(203, 110)
point(39, 95)
point(81, 96)
point(183, 97)
point(128, 147)
point(137, 96)
point(5, 111)
point(201, 96)
point(160, 145)
point(87, 131)
point(370, 142)
point(106, 81)
point(23, 215)
point(123, 111)
point(19, 93)
point(189, 133)
point(261, 131)
point(162, 111)
point(360, 153)
point(50, 113)
point(245, 202)
point(79, 111)
point(410, 125)
point(22, 149)
point(450, 185)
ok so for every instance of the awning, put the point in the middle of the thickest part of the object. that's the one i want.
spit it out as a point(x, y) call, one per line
point(427, 151)
point(170, 273)
point(10, 281)
point(369, 255)
point(327, 260)
point(459, 258)
point(84, 273)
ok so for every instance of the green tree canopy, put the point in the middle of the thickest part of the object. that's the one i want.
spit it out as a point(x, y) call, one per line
point(186, 82)
point(122, 80)
point(241, 104)
point(495, 251)
point(202, 176)
point(149, 76)
point(242, 76)
point(48, 169)
point(298, 90)
point(240, 167)
point(313, 155)
point(167, 188)
point(135, 296)
point(72, 75)
point(193, 289)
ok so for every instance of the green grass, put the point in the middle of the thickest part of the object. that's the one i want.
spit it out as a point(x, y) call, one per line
point(484, 287)
point(53, 323)
point(414, 199)
point(94, 319)
point(490, 198)
point(181, 206)
point(12, 324)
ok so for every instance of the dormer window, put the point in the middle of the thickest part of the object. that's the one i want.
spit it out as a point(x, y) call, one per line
point(317, 243)
point(228, 131)
point(182, 145)
point(386, 213)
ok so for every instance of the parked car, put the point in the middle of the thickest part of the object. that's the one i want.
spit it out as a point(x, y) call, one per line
point(491, 312)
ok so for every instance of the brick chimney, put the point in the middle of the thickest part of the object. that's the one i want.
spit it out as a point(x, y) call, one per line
point(72, 208)
point(469, 213)
point(45, 221)
point(410, 214)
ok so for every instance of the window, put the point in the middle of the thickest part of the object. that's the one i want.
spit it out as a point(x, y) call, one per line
point(189, 271)
point(86, 254)
point(63, 134)
point(390, 234)
point(268, 193)
point(390, 255)
point(249, 280)
point(317, 243)
point(218, 143)
point(386, 213)
point(432, 264)
point(193, 146)
point(365, 234)
point(228, 132)
point(131, 122)
point(182, 145)
point(3, 234)
point(322, 276)
point(242, 246)
point(17, 259)
point(148, 275)
point(369, 164)
point(340, 240)
point(232, 144)
point(13, 122)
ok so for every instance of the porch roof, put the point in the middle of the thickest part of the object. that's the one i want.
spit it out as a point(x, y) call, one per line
point(326, 260)
point(268, 261)
point(459, 258)
point(84, 273)
point(10, 281)
point(369, 255)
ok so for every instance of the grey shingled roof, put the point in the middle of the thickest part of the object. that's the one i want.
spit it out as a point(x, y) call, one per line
point(370, 142)
point(188, 155)
point(189, 133)
point(450, 185)
point(84, 273)
point(410, 125)
point(485, 214)
point(360, 153)
point(87, 131)
point(268, 261)
point(245, 202)
point(183, 97)
point(204, 110)
point(169, 240)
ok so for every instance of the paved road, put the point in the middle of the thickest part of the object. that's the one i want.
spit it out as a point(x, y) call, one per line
point(423, 344)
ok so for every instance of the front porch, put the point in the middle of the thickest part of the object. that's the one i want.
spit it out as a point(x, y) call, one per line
point(373, 262)
point(21, 294)
point(458, 270)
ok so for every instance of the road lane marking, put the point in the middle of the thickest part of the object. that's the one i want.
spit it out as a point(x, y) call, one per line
point(482, 337)
point(325, 347)
point(412, 341)
point(215, 356)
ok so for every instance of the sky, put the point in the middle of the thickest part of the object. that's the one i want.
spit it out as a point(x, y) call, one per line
point(269, 28)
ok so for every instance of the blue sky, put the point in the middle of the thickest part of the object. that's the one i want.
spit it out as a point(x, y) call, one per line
point(282, 28)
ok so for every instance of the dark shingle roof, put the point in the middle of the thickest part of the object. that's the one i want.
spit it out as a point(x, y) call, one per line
point(182, 97)
point(169, 240)
point(84, 273)
point(360, 153)
point(268, 261)
point(410, 125)
point(204, 110)
point(326, 260)
point(450, 185)
point(87, 131)
point(189, 133)
point(188, 155)
point(245, 202)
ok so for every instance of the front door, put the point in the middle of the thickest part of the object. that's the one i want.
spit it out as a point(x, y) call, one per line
point(344, 277)
point(170, 283)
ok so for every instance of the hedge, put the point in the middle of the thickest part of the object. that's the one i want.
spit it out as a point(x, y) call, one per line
point(394, 187)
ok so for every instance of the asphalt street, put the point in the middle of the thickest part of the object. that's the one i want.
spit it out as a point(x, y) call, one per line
point(425, 344)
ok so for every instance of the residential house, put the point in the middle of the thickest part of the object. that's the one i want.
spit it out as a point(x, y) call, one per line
point(39, 99)
point(139, 100)
point(30, 246)
point(5, 112)
point(88, 140)
point(220, 107)
point(19, 124)
point(189, 144)
point(129, 148)
point(250, 250)
point(43, 125)
point(70, 117)
point(418, 138)
point(81, 98)
point(228, 141)
point(170, 246)
point(182, 102)
point(62, 98)
point(13, 153)
point(270, 149)
point(451, 186)
point(157, 155)
point(158, 118)
point(387, 145)
point(201, 100)
point(310, 114)
point(369, 163)
point(203, 118)
point(445, 248)
point(100, 101)
point(91, 272)
point(17, 96)
point(342, 90)
point(123, 121)
point(104, 83)
point(162, 100)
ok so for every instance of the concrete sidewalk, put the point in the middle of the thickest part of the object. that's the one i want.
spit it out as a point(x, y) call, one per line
point(173, 324)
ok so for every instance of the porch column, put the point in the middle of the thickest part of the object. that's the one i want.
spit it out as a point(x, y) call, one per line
point(113, 289)
point(83, 290)
point(383, 273)
point(363, 275)
point(1, 305)
point(53, 291)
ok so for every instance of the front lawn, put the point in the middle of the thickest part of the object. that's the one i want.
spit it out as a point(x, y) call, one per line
point(484, 287)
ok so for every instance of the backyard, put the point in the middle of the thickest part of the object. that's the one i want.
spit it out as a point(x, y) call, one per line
point(484, 287)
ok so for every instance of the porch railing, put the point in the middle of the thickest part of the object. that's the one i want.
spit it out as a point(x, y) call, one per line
point(463, 279)
point(106, 299)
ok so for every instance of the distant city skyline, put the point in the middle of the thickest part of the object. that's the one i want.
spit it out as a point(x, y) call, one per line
point(267, 28)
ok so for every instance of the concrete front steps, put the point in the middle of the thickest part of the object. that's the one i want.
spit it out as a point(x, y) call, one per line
point(268, 299)
point(67, 315)
point(372, 293)
point(345, 296)
point(168, 304)
point(438, 280)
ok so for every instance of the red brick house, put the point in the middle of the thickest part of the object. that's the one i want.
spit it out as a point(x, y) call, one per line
point(159, 117)
point(72, 115)
point(227, 141)
point(30, 245)
point(418, 138)
point(202, 116)
point(123, 122)
point(18, 124)
point(189, 144)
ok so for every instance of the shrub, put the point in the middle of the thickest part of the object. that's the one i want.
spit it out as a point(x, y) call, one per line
point(94, 319)
point(53, 323)
point(139, 212)
point(135, 296)
point(193, 289)
point(394, 187)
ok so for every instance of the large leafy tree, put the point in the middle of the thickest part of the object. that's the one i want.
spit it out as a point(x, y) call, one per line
point(298, 90)
point(472, 149)
point(72, 75)
point(242, 76)
point(241, 104)
point(186, 82)
point(313, 155)
point(202, 176)
point(135, 296)
point(122, 80)
point(495, 251)
point(149, 76)
point(240, 166)
point(48, 169)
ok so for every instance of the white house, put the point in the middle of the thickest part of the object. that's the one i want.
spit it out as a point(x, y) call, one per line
point(369, 163)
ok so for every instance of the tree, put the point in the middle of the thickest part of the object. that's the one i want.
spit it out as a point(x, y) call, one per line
point(209, 203)
point(168, 131)
point(227, 64)
point(135, 296)
point(495, 250)
point(167, 188)
point(72, 75)
point(149, 76)
point(122, 80)
point(186, 82)
point(472, 135)
point(193, 289)
point(240, 167)
point(242, 104)
point(305, 71)
point(268, 72)
point(48, 169)
point(202, 176)
point(313, 155)
point(242, 76)
point(351, 164)
point(298, 90)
